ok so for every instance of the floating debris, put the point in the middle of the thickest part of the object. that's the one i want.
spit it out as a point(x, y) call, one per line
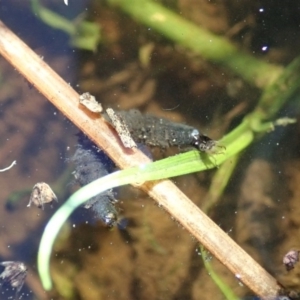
point(121, 128)
point(290, 259)
point(9, 167)
point(14, 274)
point(92, 163)
point(90, 102)
point(41, 194)
point(160, 132)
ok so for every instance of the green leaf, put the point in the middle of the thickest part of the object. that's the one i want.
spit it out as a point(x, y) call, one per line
point(84, 35)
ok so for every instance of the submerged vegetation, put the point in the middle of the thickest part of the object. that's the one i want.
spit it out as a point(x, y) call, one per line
point(150, 51)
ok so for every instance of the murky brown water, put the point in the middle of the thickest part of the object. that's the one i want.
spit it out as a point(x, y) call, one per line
point(154, 257)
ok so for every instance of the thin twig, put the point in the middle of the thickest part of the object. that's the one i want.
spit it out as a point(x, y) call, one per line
point(163, 192)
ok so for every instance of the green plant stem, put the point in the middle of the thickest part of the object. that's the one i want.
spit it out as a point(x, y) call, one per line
point(224, 288)
point(219, 183)
point(272, 99)
point(83, 34)
point(53, 19)
point(210, 46)
point(275, 95)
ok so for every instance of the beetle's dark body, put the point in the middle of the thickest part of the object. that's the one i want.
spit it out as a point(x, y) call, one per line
point(155, 131)
point(90, 164)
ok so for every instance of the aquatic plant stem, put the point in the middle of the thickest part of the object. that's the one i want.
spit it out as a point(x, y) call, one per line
point(216, 189)
point(223, 287)
point(210, 46)
point(219, 183)
point(83, 34)
point(277, 93)
point(164, 192)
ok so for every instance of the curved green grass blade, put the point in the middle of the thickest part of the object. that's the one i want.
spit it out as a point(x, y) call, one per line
point(177, 165)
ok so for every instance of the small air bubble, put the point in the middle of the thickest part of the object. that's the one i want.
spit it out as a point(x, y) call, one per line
point(208, 258)
point(261, 10)
point(74, 225)
point(264, 48)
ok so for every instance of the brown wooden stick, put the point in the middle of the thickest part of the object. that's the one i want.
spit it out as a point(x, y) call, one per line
point(56, 90)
